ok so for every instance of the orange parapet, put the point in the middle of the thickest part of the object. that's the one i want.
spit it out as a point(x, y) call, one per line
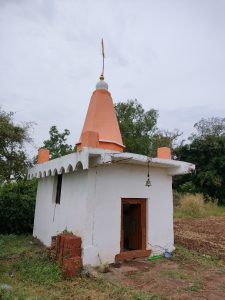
point(164, 152)
point(43, 155)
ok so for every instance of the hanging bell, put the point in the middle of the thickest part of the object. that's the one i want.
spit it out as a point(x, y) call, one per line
point(148, 183)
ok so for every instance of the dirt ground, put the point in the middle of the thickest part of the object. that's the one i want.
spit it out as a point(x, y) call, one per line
point(206, 235)
point(188, 275)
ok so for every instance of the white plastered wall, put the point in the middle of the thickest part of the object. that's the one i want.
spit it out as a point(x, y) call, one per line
point(106, 186)
point(50, 218)
point(90, 207)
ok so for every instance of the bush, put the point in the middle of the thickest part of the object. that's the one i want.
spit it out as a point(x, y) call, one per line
point(195, 206)
point(176, 198)
point(17, 204)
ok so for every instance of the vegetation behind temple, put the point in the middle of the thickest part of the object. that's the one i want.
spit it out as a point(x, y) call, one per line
point(17, 204)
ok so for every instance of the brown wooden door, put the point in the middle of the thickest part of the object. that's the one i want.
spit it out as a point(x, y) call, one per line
point(137, 231)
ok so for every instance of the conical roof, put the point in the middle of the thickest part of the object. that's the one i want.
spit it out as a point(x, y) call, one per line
point(101, 128)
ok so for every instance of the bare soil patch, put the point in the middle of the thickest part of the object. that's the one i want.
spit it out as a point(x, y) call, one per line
point(197, 273)
point(175, 279)
point(205, 235)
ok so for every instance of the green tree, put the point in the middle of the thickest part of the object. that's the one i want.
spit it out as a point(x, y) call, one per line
point(17, 203)
point(57, 143)
point(207, 151)
point(13, 159)
point(139, 129)
point(136, 125)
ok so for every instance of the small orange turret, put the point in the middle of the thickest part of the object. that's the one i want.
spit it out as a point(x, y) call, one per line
point(101, 128)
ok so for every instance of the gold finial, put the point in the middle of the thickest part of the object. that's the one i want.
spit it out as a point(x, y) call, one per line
point(103, 62)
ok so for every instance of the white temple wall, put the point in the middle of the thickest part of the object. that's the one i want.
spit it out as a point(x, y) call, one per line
point(108, 184)
point(51, 218)
point(90, 207)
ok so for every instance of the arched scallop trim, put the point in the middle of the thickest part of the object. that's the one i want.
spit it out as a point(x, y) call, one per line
point(49, 172)
point(39, 174)
point(62, 170)
point(69, 169)
point(44, 174)
point(79, 166)
point(55, 172)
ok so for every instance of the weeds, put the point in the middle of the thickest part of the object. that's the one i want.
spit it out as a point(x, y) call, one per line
point(194, 206)
point(174, 274)
point(25, 268)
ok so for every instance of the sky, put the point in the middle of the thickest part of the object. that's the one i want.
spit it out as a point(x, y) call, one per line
point(168, 54)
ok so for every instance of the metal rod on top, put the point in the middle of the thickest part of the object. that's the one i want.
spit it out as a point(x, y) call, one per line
point(103, 60)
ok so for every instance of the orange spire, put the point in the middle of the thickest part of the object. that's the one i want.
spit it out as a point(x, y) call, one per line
point(101, 128)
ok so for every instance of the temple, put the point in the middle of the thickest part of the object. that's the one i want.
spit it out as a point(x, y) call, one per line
point(120, 204)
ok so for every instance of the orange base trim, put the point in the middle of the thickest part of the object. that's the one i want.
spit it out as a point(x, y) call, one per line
point(103, 145)
point(132, 254)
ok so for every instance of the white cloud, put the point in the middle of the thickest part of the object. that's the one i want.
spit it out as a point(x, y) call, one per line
point(170, 55)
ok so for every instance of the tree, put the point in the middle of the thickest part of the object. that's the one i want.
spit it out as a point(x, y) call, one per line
point(13, 159)
point(209, 127)
point(17, 204)
point(165, 138)
point(56, 144)
point(136, 126)
point(139, 129)
point(207, 151)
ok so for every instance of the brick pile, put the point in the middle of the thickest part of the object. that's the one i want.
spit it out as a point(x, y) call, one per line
point(67, 251)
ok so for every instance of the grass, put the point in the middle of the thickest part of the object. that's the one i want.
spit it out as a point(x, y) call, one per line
point(174, 274)
point(186, 257)
point(27, 273)
point(194, 206)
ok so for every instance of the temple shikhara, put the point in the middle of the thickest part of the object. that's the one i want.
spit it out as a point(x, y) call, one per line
point(100, 193)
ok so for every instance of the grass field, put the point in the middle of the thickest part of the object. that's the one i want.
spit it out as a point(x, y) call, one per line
point(27, 273)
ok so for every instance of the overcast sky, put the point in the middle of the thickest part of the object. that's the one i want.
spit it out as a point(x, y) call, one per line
point(169, 54)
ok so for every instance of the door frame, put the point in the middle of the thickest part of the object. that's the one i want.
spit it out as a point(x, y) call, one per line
point(140, 252)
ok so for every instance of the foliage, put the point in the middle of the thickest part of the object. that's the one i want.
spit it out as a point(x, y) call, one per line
point(19, 250)
point(33, 276)
point(209, 127)
point(207, 152)
point(164, 138)
point(56, 143)
point(195, 206)
point(139, 131)
point(136, 126)
point(13, 159)
point(17, 203)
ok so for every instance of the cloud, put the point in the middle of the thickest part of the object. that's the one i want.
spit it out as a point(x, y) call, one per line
point(170, 55)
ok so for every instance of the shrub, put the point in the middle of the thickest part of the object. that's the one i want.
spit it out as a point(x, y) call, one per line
point(176, 198)
point(195, 206)
point(17, 204)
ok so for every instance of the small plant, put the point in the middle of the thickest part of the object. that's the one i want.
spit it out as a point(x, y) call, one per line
point(193, 287)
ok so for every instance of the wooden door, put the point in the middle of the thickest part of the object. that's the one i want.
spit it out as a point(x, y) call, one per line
point(137, 213)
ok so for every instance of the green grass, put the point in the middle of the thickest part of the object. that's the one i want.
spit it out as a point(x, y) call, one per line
point(174, 274)
point(186, 257)
point(25, 267)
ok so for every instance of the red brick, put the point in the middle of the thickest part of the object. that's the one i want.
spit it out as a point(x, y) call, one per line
point(72, 266)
